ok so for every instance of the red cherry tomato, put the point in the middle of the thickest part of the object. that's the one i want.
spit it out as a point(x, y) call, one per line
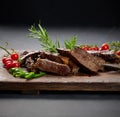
point(4, 59)
point(105, 46)
point(11, 62)
point(86, 47)
point(15, 64)
point(94, 48)
point(7, 60)
point(14, 56)
point(118, 52)
point(90, 48)
point(8, 65)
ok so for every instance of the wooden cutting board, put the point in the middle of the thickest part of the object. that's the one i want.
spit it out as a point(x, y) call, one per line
point(107, 81)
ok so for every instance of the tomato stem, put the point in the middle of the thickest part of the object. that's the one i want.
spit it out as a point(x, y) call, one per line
point(5, 50)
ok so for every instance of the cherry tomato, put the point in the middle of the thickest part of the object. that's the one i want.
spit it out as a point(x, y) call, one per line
point(8, 65)
point(4, 59)
point(15, 64)
point(118, 52)
point(7, 60)
point(10, 62)
point(86, 47)
point(105, 46)
point(95, 48)
point(14, 56)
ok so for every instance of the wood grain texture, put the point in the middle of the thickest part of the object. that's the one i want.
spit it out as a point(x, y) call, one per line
point(108, 81)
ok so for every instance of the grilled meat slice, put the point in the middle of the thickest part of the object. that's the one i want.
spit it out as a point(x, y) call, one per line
point(82, 58)
point(74, 67)
point(108, 56)
point(51, 56)
point(31, 56)
point(51, 67)
point(41, 54)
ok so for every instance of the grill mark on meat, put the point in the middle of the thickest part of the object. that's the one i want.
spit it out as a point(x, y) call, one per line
point(51, 66)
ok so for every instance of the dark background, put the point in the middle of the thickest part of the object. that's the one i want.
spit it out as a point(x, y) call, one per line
point(98, 13)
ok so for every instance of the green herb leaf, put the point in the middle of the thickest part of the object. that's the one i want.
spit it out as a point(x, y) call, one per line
point(45, 41)
point(115, 45)
point(71, 43)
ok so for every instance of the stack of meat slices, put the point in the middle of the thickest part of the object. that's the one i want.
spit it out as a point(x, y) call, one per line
point(65, 62)
point(107, 55)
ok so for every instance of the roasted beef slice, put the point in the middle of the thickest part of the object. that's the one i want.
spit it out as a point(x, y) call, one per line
point(82, 58)
point(51, 56)
point(51, 67)
point(108, 56)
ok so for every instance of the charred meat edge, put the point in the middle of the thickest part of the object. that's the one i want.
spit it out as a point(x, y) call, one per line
point(32, 55)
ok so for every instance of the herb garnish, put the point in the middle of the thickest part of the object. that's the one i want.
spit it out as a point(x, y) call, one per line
point(71, 43)
point(45, 41)
point(115, 45)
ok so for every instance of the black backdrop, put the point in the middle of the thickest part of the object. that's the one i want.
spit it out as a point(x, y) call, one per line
point(60, 12)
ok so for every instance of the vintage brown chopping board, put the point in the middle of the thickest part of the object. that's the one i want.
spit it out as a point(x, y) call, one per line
point(107, 81)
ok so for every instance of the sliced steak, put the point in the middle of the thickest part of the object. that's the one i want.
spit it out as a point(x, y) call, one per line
point(73, 66)
point(31, 58)
point(51, 67)
point(41, 54)
point(51, 56)
point(108, 56)
point(82, 58)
